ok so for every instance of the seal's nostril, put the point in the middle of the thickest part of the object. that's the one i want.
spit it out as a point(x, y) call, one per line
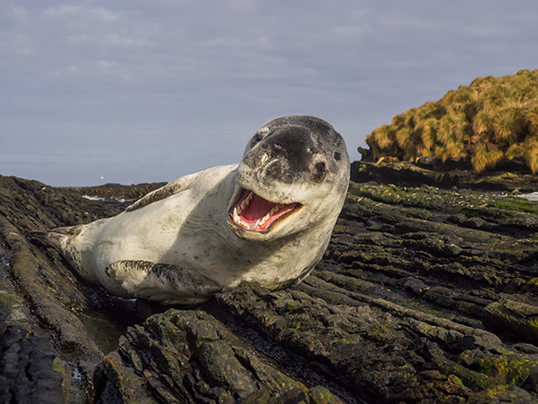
point(320, 170)
point(275, 170)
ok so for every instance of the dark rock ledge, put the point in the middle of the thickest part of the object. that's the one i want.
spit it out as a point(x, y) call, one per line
point(424, 296)
point(509, 175)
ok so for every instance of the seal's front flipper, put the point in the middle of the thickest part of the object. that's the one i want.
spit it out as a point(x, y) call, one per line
point(55, 237)
point(162, 282)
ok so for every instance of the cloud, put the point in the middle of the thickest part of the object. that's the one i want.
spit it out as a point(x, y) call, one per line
point(128, 81)
point(69, 13)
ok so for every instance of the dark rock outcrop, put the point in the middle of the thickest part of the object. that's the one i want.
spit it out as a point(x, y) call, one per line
point(510, 175)
point(424, 295)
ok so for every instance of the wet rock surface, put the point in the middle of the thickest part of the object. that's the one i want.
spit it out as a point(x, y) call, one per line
point(425, 295)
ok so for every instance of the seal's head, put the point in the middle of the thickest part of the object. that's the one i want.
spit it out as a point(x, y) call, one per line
point(293, 176)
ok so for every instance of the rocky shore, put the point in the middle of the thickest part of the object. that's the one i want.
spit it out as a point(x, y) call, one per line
point(428, 293)
point(509, 176)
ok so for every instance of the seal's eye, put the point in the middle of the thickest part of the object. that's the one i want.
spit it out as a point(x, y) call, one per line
point(319, 171)
point(255, 139)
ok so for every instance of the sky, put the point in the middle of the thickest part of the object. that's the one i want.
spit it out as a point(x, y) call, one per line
point(132, 91)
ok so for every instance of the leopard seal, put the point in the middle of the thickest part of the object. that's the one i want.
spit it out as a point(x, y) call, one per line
point(267, 219)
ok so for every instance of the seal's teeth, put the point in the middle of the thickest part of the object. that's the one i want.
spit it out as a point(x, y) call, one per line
point(275, 209)
point(245, 203)
point(262, 221)
point(266, 217)
point(254, 226)
point(236, 217)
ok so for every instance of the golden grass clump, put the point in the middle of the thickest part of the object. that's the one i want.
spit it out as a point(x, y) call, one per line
point(490, 120)
point(459, 100)
point(381, 142)
point(531, 154)
point(445, 132)
point(428, 133)
point(398, 122)
point(460, 127)
point(383, 138)
point(482, 122)
point(532, 120)
point(515, 150)
point(403, 137)
point(483, 159)
point(504, 127)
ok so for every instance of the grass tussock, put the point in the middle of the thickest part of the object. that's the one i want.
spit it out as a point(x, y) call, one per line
point(531, 154)
point(490, 120)
point(483, 159)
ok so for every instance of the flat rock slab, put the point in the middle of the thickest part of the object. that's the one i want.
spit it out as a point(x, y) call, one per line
point(424, 296)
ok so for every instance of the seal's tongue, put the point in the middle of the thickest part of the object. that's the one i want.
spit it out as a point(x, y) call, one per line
point(255, 213)
point(257, 208)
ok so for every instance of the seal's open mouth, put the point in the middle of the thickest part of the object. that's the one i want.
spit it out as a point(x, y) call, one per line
point(254, 213)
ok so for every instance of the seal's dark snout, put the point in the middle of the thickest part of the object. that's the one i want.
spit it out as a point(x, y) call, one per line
point(276, 169)
point(285, 156)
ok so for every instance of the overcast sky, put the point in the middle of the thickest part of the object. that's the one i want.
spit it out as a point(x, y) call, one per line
point(134, 91)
